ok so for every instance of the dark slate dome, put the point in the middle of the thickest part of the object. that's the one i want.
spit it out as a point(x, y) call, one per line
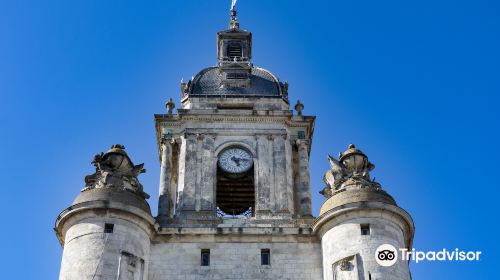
point(262, 83)
point(234, 75)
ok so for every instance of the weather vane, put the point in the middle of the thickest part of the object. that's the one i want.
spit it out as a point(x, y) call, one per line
point(233, 4)
point(234, 21)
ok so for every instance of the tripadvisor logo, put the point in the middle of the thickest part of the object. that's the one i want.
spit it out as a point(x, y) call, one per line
point(387, 255)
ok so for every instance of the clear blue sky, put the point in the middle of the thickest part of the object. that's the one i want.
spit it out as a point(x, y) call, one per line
point(415, 84)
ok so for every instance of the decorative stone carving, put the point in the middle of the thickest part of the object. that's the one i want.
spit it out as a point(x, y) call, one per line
point(301, 134)
point(345, 269)
point(130, 266)
point(345, 265)
point(299, 107)
point(185, 88)
point(114, 169)
point(170, 105)
point(284, 89)
point(167, 135)
point(352, 170)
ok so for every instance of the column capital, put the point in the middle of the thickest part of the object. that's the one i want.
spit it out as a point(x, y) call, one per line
point(166, 134)
point(210, 135)
point(260, 136)
point(190, 134)
point(167, 141)
point(302, 142)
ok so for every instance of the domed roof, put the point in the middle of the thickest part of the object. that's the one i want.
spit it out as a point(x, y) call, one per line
point(262, 84)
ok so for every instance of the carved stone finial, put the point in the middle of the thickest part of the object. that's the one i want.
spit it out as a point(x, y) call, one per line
point(284, 89)
point(299, 107)
point(183, 87)
point(114, 169)
point(351, 170)
point(356, 160)
point(170, 106)
point(118, 146)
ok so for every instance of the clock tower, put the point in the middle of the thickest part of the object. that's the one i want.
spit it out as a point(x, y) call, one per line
point(234, 148)
point(235, 197)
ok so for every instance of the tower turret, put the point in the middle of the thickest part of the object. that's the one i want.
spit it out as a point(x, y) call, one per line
point(356, 219)
point(106, 231)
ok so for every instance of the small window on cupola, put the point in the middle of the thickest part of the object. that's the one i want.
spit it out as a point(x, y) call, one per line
point(234, 50)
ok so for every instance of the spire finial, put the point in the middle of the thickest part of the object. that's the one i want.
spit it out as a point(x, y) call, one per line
point(234, 24)
point(233, 4)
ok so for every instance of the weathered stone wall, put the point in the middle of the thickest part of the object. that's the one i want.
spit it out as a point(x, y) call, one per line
point(344, 241)
point(89, 253)
point(235, 260)
point(270, 136)
point(256, 103)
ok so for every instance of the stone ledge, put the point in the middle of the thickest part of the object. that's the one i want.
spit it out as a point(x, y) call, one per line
point(381, 210)
point(357, 195)
point(90, 206)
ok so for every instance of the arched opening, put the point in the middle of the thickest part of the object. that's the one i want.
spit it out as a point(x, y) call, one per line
point(235, 194)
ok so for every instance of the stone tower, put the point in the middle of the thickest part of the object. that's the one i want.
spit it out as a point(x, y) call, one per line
point(234, 146)
point(234, 199)
point(106, 233)
point(356, 219)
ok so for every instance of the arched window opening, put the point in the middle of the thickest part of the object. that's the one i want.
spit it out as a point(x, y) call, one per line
point(235, 183)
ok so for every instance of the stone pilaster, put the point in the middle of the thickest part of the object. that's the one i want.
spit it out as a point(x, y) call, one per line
point(181, 174)
point(165, 196)
point(174, 181)
point(280, 175)
point(208, 172)
point(263, 172)
point(199, 164)
point(304, 180)
point(272, 178)
point(190, 172)
point(289, 191)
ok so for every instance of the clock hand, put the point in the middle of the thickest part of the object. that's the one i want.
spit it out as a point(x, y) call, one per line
point(236, 160)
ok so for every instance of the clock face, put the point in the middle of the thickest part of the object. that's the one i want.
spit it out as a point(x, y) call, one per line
point(235, 160)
